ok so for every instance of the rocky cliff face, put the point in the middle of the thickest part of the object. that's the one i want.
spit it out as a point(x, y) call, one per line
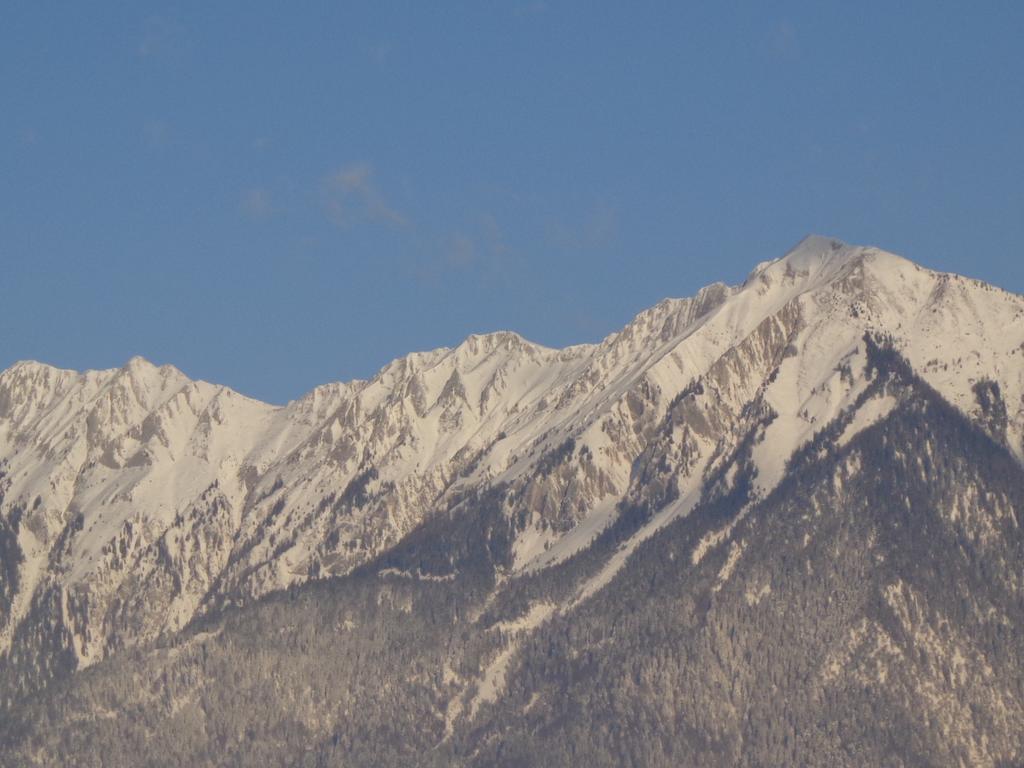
point(531, 484)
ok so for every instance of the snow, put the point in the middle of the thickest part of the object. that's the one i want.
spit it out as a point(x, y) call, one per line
point(679, 508)
point(141, 444)
point(808, 392)
point(755, 595)
point(532, 543)
point(873, 411)
point(492, 681)
point(735, 552)
point(568, 544)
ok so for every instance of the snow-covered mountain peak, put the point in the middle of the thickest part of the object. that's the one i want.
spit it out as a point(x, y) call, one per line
point(149, 383)
point(28, 386)
point(476, 347)
point(31, 367)
point(814, 247)
point(143, 371)
point(814, 260)
point(146, 471)
point(138, 364)
point(31, 374)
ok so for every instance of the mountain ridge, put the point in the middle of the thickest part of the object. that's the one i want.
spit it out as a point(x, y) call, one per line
point(138, 500)
point(812, 248)
point(856, 615)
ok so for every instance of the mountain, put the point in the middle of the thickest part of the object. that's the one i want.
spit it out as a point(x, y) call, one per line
point(775, 523)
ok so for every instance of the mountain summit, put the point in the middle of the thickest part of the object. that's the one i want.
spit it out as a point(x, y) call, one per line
point(833, 446)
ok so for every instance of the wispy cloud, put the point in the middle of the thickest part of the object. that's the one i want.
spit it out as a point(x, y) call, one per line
point(460, 251)
point(381, 52)
point(482, 252)
point(163, 39)
point(529, 8)
point(257, 203)
point(157, 133)
point(351, 196)
point(487, 247)
point(784, 41)
point(598, 229)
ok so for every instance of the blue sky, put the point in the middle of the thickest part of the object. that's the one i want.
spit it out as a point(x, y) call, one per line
point(276, 195)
